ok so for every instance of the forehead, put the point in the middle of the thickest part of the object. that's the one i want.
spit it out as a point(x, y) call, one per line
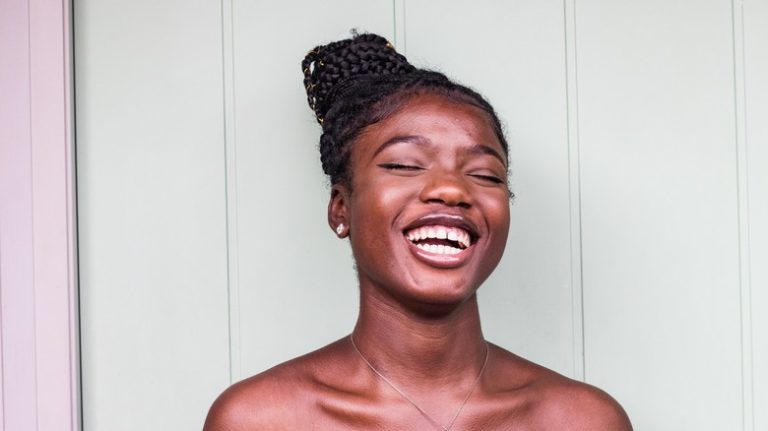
point(433, 116)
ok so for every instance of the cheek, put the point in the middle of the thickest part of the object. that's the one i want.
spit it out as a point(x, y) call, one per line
point(504, 210)
point(372, 212)
point(497, 212)
point(381, 199)
point(375, 212)
point(496, 206)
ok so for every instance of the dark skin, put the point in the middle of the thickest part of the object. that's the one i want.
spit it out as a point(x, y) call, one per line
point(432, 163)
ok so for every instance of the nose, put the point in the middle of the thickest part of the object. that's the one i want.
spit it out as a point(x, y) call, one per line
point(447, 189)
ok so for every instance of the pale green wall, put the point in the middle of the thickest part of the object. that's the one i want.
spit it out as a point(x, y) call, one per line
point(638, 244)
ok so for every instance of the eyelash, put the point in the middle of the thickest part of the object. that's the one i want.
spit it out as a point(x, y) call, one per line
point(398, 166)
point(489, 178)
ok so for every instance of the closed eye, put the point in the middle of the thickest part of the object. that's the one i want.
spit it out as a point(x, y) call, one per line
point(490, 178)
point(399, 167)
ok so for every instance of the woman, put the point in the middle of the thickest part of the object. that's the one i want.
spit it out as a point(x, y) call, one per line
point(418, 167)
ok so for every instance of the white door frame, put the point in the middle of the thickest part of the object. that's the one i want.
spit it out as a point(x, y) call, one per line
point(39, 383)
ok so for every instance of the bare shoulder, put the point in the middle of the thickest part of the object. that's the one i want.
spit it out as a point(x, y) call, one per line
point(259, 402)
point(551, 401)
point(272, 400)
point(575, 406)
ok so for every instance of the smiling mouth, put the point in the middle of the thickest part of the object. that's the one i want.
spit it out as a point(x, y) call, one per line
point(439, 239)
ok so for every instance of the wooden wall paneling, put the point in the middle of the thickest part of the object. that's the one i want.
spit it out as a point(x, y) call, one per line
point(151, 195)
point(202, 203)
point(742, 171)
point(659, 221)
point(755, 49)
point(230, 149)
point(574, 184)
point(513, 52)
point(293, 273)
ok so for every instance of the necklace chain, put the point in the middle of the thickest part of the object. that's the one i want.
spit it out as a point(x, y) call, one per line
point(407, 398)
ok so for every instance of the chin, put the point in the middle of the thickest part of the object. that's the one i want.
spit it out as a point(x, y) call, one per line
point(436, 308)
point(436, 298)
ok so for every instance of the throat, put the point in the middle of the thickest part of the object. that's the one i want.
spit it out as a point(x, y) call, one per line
point(449, 349)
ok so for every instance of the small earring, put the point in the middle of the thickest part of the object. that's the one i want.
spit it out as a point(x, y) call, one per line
point(340, 228)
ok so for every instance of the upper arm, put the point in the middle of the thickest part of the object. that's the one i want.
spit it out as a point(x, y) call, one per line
point(604, 413)
point(595, 410)
point(264, 402)
point(581, 407)
point(228, 413)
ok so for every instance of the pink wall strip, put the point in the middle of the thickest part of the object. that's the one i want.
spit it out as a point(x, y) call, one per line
point(38, 324)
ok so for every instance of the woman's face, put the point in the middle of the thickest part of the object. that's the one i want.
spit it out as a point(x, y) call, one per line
point(428, 213)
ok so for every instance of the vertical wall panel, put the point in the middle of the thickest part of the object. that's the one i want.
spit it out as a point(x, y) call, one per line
point(151, 198)
point(659, 196)
point(756, 85)
point(293, 271)
point(513, 52)
point(742, 164)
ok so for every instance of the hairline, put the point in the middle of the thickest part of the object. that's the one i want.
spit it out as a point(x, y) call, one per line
point(452, 95)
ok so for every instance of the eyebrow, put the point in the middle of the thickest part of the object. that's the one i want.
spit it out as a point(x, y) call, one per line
point(407, 139)
point(477, 149)
point(480, 149)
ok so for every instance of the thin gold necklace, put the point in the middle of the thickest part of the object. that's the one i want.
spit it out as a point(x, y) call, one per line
point(407, 398)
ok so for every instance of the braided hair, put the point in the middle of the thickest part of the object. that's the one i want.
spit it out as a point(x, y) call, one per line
point(354, 83)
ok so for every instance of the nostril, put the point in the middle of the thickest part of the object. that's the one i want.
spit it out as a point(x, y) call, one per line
point(446, 190)
point(459, 203)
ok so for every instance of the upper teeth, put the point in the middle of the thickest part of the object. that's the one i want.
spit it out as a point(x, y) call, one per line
point(440, 232)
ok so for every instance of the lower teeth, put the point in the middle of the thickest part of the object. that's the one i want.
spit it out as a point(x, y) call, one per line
point(439, 249)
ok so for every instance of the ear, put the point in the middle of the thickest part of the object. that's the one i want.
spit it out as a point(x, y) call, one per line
point(338, 212)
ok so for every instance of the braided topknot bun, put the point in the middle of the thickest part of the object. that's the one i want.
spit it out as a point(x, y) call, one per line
point(326, 66)
point(355, 83)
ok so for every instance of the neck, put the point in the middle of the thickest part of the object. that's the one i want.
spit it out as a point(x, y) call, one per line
point(424, 350)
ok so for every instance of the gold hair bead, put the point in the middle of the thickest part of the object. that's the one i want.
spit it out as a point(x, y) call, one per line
point(389, 45)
